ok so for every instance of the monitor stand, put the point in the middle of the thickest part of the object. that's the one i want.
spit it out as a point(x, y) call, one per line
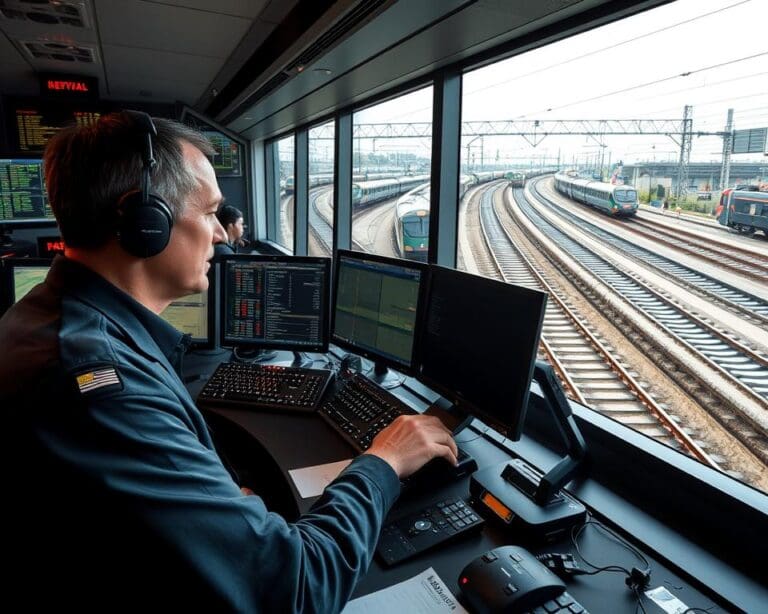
point(300, 359)
point(384, 377)
point(519, 495)
point(454, 419)
point(252, 355)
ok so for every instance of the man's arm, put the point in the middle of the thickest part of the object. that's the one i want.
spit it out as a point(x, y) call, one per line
point(153, 464)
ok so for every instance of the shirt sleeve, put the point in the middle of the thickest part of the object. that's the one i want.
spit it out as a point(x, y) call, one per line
point(144, 451)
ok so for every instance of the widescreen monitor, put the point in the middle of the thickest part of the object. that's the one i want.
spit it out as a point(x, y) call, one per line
point(189, 314)
point(23, 199)
point(478, 345)
point(274, 302)
point(376, 309)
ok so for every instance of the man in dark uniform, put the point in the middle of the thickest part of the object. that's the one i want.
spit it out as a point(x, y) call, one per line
point(115, 497)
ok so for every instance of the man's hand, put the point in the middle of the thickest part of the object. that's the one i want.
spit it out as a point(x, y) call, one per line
point(411, 441)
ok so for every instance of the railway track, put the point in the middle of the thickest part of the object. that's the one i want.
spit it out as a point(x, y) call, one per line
point(746, 368)
point(740, 370)
point(742, 261)
point(592, 374)
point(746, 305)
point(319, 225)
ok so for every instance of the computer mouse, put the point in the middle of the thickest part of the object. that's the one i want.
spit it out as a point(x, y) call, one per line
point(508, 579)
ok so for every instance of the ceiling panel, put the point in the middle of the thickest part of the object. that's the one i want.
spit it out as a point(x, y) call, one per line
point(162, 90)
point(134, 23)
point(239, 8)
point(133, 69)
point(9, 55)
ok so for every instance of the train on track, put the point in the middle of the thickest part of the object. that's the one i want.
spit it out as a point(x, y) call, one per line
point(412, 215)
point(615, 200)
point(516, 179)
point(319, 179)
point(743, 210)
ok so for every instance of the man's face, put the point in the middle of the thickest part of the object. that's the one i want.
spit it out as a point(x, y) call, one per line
point(183, 265)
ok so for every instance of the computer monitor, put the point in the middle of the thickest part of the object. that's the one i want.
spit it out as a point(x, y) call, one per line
point(20, 275)
point(23, 198)
point(194, 315)
point(478, 345)
point(274, 302)
point(376, 310)
point(191, 314)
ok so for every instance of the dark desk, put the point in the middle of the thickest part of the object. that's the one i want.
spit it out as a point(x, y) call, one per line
point(605, 592)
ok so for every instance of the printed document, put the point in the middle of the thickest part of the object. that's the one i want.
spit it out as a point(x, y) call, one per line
point(422, 594)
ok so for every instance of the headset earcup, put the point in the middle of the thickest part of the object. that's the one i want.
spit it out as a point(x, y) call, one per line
point(144, 228)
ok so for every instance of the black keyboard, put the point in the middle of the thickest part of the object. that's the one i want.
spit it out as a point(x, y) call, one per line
point(360, 408)
point(564, 604)
point(435, 524)
point(271, 387)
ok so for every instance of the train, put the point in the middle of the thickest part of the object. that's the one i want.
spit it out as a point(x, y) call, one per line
point(369, 192)
point(314, 181)
point(412, 215)
point(743, 210)
point(516, 179)
point(318, 179)
point(615, 200)
point(412, 223)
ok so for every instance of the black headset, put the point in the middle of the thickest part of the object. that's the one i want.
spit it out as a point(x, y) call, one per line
point(144, 219)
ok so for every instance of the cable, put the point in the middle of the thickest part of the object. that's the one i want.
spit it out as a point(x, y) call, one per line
point(590, 53)
point(654, 82)
point(636, 579)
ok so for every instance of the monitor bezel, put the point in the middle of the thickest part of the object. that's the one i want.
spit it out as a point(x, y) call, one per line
point(224, 341)
point(510, 431)
point(30, 222)
point(365, 352)
point(8, 266)
point(211, 316)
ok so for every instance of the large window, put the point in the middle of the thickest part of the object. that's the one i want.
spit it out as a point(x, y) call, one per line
point(320, 212)
point(592, 168)
point(391, 157)
point(284, 207)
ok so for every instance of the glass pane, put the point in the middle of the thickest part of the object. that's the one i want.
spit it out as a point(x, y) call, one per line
point(286, 207)
point(321, 189)
point(597, 169)
point(391, 158)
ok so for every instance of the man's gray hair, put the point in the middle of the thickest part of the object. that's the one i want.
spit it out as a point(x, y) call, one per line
point(89, 168)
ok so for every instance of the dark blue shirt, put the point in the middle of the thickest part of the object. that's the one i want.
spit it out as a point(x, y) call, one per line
point(108, 463)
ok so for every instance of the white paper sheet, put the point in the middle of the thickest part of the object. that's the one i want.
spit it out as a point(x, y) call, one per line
point(422, 594)
point(311, 481)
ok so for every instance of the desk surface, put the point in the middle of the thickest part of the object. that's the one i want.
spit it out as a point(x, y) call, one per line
point(604, 592)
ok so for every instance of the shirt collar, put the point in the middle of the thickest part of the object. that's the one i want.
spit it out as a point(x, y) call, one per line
point(118, 306)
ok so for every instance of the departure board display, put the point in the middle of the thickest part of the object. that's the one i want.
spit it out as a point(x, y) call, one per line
point(227, 159)
point(35, 125)
point(22, 192)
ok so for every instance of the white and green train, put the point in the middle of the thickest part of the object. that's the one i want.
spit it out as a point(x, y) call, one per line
point(615, 200)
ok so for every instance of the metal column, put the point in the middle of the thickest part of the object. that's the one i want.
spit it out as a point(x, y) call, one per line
point(725, 171)
point(686, 140)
